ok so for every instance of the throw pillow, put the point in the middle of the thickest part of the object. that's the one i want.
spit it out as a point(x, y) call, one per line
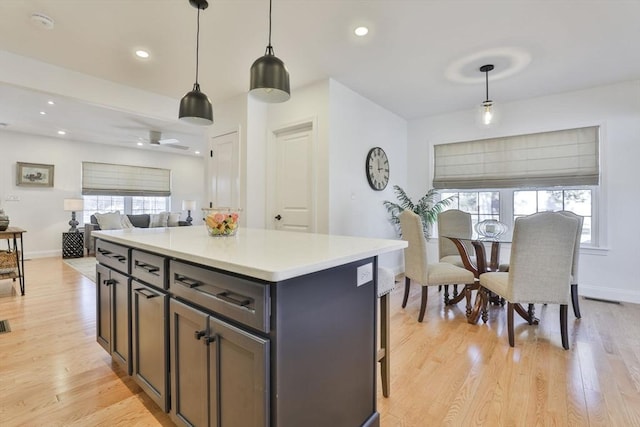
point(158, 220)
point(109, 220)
point(126, 222)
point(173, 219)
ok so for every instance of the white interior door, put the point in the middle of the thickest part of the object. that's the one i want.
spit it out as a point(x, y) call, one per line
point(294, 193)
point(224, 164)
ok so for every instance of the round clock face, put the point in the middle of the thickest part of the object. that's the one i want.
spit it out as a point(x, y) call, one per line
point(377, 168)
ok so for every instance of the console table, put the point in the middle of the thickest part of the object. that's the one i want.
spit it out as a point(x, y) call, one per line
point(12, 235)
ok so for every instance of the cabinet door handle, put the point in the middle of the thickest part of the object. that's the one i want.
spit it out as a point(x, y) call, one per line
point(225, 296)
point(110, 282)
point(184, 280)
point(104, 252)
point(120, 258)
point(199, 334)
point(208, 339)
point(146, 293)
point(147, 267)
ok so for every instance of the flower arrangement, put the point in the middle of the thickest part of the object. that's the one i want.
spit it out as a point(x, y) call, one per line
point(221, 222)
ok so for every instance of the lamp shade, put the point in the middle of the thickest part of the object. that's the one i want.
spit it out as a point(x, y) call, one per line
point(195, 108)
point(188, 205)
point(73, 205)
point(269, 79)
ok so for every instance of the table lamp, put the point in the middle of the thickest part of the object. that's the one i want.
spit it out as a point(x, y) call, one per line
point(189, 205)
point(73, 205)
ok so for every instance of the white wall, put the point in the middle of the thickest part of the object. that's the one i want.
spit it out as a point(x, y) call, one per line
point(356, 126)
point(608, 273)
point(40, 210)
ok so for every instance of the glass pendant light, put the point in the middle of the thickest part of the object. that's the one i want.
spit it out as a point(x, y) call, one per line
point(269, 76)
point(195, 106)
point(487, 110)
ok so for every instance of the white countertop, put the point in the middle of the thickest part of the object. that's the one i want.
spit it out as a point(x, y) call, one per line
point(270, 255)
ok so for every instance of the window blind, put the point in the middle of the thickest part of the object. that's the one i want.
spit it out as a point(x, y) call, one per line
point(559, 158)
point(124, 180)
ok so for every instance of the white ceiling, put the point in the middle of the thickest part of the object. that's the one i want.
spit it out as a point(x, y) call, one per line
point(421, 57)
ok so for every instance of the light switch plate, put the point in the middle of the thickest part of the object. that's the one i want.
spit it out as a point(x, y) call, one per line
point(365, 274)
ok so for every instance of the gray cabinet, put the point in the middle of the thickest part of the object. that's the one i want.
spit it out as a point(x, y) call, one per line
point(219, 373)
point(149, 308)
point(113, 314)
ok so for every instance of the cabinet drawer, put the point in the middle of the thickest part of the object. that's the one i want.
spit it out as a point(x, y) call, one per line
point(238, 299)
point(149, 268)
point(113, 255)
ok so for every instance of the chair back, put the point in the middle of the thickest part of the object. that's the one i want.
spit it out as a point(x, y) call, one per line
point(576, 248)
point(453, 223)
point(541, 258)
point(415, 255)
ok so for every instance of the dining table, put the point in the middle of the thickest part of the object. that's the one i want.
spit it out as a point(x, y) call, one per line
point(487, 259)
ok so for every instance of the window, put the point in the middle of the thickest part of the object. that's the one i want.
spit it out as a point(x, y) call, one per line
point(480, 204)
point(142, 205)
point(124, 204)
point(576, 200)
point(507, 204)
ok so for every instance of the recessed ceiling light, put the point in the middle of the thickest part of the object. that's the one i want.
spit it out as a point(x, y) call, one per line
point(43, 113)
point(140, 144)
point(41, 20)
point(361, 31)
point(197, 152)
point(61, 132)
point(142, 54)
point(51, 103)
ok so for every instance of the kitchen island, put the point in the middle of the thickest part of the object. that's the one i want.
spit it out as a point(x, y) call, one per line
point(265, 328)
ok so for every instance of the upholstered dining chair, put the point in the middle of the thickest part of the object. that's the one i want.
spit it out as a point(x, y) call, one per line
point(453, 223)
point(417, 267)
point(574, 266)
point(540, 269)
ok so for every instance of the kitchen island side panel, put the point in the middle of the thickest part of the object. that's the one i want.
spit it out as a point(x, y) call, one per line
point(323, 365)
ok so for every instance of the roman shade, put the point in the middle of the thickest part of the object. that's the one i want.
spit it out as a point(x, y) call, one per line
point(123, 180)
point(547, 159)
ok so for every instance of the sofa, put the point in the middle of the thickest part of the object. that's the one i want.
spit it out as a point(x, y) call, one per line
point(117, 221)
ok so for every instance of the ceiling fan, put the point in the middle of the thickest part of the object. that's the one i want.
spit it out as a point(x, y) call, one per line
point(155, 138)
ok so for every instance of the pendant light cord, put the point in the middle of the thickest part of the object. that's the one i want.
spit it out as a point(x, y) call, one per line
point(197, 45)
point(269, 50)
point(486, 74)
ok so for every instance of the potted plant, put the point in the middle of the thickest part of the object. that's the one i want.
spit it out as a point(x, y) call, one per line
point(428, 208)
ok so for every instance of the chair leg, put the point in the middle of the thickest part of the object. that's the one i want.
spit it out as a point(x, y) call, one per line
point(574, 300)
point(510, 323)
point(446, 294)
point(439, 288)
point(385, 362)
point(423, 304)
point(564, 308)
point(407, 284)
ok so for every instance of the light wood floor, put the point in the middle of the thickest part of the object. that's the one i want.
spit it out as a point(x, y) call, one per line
point(445, 372)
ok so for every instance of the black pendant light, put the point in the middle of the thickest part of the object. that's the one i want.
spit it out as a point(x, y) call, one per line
point(195, 106)
point(269, 76)
point(487, 111)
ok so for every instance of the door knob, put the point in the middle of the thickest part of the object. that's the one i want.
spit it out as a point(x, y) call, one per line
point(278, 217)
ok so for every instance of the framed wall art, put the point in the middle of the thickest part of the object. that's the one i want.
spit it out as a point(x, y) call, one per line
point(34, 175)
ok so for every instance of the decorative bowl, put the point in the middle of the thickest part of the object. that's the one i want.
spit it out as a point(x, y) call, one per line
point(490, 228)
point(221, 222)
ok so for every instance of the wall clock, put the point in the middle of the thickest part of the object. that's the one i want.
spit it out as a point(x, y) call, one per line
point(377, 168)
